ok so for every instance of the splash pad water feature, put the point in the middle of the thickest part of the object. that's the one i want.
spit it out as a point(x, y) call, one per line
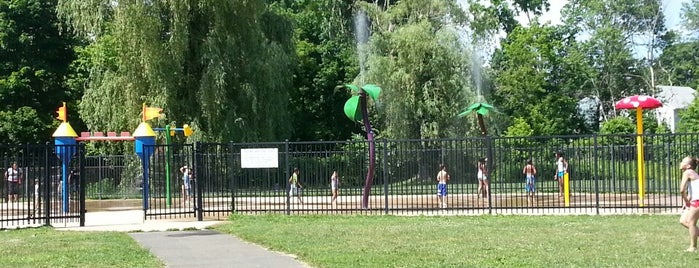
point(65, 141)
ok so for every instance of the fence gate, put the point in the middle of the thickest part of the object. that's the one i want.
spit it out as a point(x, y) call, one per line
point(214, 172)
point(40, 195)
point(167, 192)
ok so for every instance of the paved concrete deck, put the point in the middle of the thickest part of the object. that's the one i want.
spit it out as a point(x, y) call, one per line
point(131, 221)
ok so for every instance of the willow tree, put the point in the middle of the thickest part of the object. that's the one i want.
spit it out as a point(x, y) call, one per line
point(222, 66)
point(419, 58)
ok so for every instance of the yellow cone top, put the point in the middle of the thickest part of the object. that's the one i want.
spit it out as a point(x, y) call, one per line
point(144, 130)
point(65, 130)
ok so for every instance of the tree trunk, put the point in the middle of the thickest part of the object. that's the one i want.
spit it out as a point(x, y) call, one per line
point(481, 124)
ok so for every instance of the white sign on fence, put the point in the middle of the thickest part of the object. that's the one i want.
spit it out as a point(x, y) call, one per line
point(259, 158)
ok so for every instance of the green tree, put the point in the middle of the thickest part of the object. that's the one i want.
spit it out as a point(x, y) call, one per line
point(679, 65)
point(609, 30)
point(419, 60)
point(22, 126)
point(533, 80)
point(616, 126)
point(487, 18)
point(222, 66)
point(690, 15)
point(690, 119)
point(519, 128)
point(35, 59)
point(326, 57)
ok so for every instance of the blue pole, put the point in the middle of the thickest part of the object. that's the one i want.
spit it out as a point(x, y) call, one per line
point(144, 141)
point(144, 150)
point(146, 182)
point(65, 148)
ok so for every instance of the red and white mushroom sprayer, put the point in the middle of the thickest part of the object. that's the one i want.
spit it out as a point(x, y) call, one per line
point(639, 103)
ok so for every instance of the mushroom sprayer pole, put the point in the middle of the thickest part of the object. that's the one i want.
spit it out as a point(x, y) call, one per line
point(640, 155)
point(639, 102)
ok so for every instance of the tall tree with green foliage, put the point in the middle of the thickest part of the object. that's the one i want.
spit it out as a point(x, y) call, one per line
point(534, 82)
point(609, 30)
point(489, 18)
point(222, 66)
point(34, 59)
point(679, 62)
point(690, 119)
point(419, 60)
point(690, 15)
point(327, 57)
point(679, 65)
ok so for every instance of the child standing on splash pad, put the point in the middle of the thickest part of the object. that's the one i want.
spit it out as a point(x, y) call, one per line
point(334, 187)
point(442, 179)
point(483, 185)
point(529, 172)
point(561, 170)
point(295, 185)
point(186, 183)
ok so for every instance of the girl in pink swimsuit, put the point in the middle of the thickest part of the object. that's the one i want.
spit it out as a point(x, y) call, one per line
point(689, 189)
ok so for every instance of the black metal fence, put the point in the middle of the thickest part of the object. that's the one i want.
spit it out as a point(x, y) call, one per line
point(39, 197)
point(113, 177)
point(170, 196)
point(602, 172)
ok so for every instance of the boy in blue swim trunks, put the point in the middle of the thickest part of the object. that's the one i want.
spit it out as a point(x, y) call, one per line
point(442, 179)
point(529, 172)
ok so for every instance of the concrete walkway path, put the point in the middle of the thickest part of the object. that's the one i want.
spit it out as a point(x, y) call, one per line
point(211, 249)
point(184, 243)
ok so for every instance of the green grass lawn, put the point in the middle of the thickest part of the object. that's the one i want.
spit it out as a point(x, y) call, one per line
point(45, 247)
point(471, 241)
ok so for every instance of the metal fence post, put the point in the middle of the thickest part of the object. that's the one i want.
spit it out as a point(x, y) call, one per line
point(231, 163)
point(596, 171)
point(385, 174)
point(81, 190)
point(286, 173)
point(23, 170)
point(198, 172)
point(48, 183)
point(490, 165)
point(99, 176)
point(669, 171)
